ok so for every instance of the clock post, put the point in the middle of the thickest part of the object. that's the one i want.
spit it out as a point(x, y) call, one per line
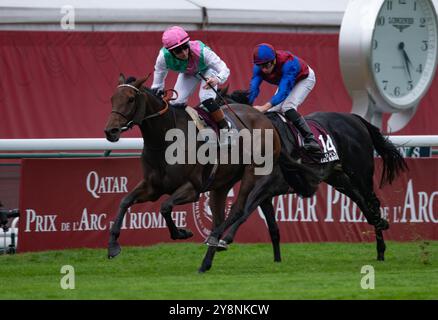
point(388, 57)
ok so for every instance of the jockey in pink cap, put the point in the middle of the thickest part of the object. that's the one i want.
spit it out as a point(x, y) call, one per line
point(189, 58)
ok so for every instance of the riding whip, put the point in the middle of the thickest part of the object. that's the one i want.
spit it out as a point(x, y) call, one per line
point(223, 99)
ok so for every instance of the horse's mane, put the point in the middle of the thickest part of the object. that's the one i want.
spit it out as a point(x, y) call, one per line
point(237, 96)
point(240, 96)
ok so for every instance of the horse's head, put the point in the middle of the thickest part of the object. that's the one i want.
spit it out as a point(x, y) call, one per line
point(128, 108)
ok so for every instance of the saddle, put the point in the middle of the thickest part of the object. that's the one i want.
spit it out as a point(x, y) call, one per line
point(292, 140)
point(203, 119)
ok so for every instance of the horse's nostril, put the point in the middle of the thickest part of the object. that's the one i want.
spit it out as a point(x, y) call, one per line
point(113, 132)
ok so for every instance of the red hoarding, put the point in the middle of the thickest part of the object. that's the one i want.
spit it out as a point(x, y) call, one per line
point(71, 203)
point(65, 92)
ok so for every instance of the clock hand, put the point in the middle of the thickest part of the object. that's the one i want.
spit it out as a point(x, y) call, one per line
point(408, 62)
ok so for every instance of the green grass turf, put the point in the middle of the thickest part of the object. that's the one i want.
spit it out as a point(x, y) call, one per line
point(245, 271)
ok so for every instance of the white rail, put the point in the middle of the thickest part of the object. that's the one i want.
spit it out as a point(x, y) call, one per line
point(137, 143)
point(69, 144)
point(415, 141)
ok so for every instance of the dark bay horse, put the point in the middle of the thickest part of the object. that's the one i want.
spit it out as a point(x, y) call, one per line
point(355, 140)
point(133, 104)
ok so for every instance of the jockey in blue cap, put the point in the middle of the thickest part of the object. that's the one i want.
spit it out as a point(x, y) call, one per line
point(294, 78)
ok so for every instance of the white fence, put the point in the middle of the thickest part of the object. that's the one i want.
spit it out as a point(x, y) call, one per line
point(69, 144)
point(137, 143)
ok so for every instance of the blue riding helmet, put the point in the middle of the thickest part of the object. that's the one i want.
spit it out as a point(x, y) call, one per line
point(263, 53)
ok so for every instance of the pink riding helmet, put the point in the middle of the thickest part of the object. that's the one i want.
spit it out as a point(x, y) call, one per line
point(174, 37)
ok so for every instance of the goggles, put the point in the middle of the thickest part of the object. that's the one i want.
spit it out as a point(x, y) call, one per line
point(180, 49)
point(266, 65)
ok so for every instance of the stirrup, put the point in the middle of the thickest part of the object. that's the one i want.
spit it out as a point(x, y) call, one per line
point(228, 128)
point(224, 143)
point(230, 140)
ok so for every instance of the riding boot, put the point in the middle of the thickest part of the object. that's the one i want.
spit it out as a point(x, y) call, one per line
point(218, 116)
point(309, 142)
point(216, 113)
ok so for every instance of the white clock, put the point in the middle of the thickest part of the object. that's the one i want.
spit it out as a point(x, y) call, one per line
point(388, 57)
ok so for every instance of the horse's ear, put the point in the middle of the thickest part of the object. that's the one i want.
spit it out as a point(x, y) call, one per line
point(138, 83)
point(122, 78)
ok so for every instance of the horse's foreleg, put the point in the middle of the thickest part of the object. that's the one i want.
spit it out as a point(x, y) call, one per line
point(217, 206)
point(250, 196)
point(184, 194)
point(229, 236)
point(141, 193)
point(274, 233)
point(269, 212)
point(275, 186)
point(236, 212)
point(207, 262)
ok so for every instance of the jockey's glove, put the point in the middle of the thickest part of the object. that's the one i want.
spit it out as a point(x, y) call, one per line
point(157, 92)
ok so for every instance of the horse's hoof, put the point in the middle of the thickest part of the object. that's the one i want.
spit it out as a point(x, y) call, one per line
point(380, 258)
point(114, 250)
point(203, 269)
point(183, 234)
point(212, 241)
point(222, 246)
point(277, 260)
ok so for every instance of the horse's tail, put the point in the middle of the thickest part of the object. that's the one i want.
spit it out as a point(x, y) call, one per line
point(393, 162)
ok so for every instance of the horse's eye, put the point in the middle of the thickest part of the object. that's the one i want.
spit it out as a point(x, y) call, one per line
point(131, 99)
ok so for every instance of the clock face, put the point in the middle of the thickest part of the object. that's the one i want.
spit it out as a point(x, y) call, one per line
point(404, 50)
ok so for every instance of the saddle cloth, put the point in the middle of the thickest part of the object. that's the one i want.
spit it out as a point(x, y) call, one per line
point(199, 122)
point(293, 141)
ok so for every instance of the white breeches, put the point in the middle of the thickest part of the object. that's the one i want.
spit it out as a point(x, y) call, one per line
point(298, 94)
point(186, 84)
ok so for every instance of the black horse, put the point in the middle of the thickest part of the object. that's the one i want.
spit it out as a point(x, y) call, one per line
point(355, 140)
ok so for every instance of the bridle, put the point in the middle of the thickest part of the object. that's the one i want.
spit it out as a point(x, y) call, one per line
point(130, 123)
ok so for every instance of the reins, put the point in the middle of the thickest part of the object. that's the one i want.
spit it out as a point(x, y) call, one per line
point(223, 99)
point(166, 99)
